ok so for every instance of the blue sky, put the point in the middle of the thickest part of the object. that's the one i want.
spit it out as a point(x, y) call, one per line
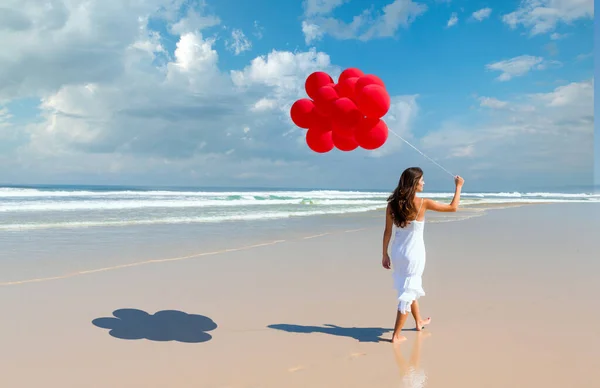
point(596, 107)
point(197, 93)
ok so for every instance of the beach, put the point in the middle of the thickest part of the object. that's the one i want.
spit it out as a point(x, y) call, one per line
point(511, 292)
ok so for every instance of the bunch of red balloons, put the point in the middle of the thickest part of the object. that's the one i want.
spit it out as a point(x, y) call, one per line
point(346, 115)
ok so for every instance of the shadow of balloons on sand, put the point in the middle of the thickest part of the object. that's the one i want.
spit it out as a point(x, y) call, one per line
point(361, 334)
point(166, 325)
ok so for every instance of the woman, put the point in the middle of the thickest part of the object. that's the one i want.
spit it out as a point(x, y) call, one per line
point(406, 211)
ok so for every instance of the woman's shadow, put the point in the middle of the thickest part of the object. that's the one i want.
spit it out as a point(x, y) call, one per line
point(166, 325)
point(361, 334)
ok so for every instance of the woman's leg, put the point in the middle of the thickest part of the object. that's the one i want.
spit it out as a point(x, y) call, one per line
point(400, 321)
point(420, 323)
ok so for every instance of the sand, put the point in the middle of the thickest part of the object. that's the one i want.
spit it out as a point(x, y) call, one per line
point(513, 297)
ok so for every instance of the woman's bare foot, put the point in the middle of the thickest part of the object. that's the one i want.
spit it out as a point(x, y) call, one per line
point(423, 323)
point(397, 338)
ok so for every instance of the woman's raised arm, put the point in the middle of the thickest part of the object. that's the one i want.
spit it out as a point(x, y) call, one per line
point(436, 206)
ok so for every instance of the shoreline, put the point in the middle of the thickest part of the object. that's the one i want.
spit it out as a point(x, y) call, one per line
point(158, 223)
point(296, 229)
point(361, 222)
point(336, 228)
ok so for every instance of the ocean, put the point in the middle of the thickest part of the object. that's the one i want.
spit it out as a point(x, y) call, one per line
point(76, 207)
point(50, 231)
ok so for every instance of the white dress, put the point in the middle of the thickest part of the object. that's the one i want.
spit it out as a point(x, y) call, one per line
point(408, 262)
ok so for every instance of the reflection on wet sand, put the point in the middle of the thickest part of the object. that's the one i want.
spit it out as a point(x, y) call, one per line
point(413, 376)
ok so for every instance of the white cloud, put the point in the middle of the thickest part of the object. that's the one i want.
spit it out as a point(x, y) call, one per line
point(482, 14)
point(239, 42)
point(150, 45)
point(453, 20)
point(557, 36)
point(321, 7)
point(547, 135)
point(463, 152)
point(264, 104)
point(258, 30)
point(491, 102)
point(71, 42)
point(312, 32)
point(577, 96)
point(162, 121)
point(78, 42)
point(283, 71)
point(396, 14)
point(147, 115)
point(519, 66)
point(5, 116)
point(194, 21)
point(194, 63)
point(367, 25)
point(542, 16)
point(583, 57)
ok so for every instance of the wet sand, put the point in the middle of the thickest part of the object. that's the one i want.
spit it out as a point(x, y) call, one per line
point(512, 295)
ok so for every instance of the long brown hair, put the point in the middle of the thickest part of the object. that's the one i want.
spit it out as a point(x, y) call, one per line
point(401, 200)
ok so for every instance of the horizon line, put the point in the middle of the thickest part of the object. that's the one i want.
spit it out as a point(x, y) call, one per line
point(593, 188)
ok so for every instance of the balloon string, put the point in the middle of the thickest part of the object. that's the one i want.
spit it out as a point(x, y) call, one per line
point(416, 149)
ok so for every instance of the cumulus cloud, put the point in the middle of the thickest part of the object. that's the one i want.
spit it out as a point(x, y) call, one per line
point(548, 134)
point(312, 32)
point(453, 20)
point(264, 104)
point(150, 113)
point(368, 24)
point(482, 14)
point(195, 20)
point(188, 107)
point(557, 36)
point(239, 42)
point(491, 102)
point(519, 66)
point(169, 115)
point(542, 16)
point(57, 43)
point(282, 73)
point(321, 7)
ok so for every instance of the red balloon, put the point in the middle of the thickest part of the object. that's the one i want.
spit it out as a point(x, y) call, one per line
point(320, 142)
point(324, 99)
point(368, 79)
point(345, 112)
point(345, 88)
point(321, 123)
point(350, 72)
point(315, 81)
point(342, 129)
point(301, 112)
point(373, 101)
point(344, 143)
point(371, 133)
